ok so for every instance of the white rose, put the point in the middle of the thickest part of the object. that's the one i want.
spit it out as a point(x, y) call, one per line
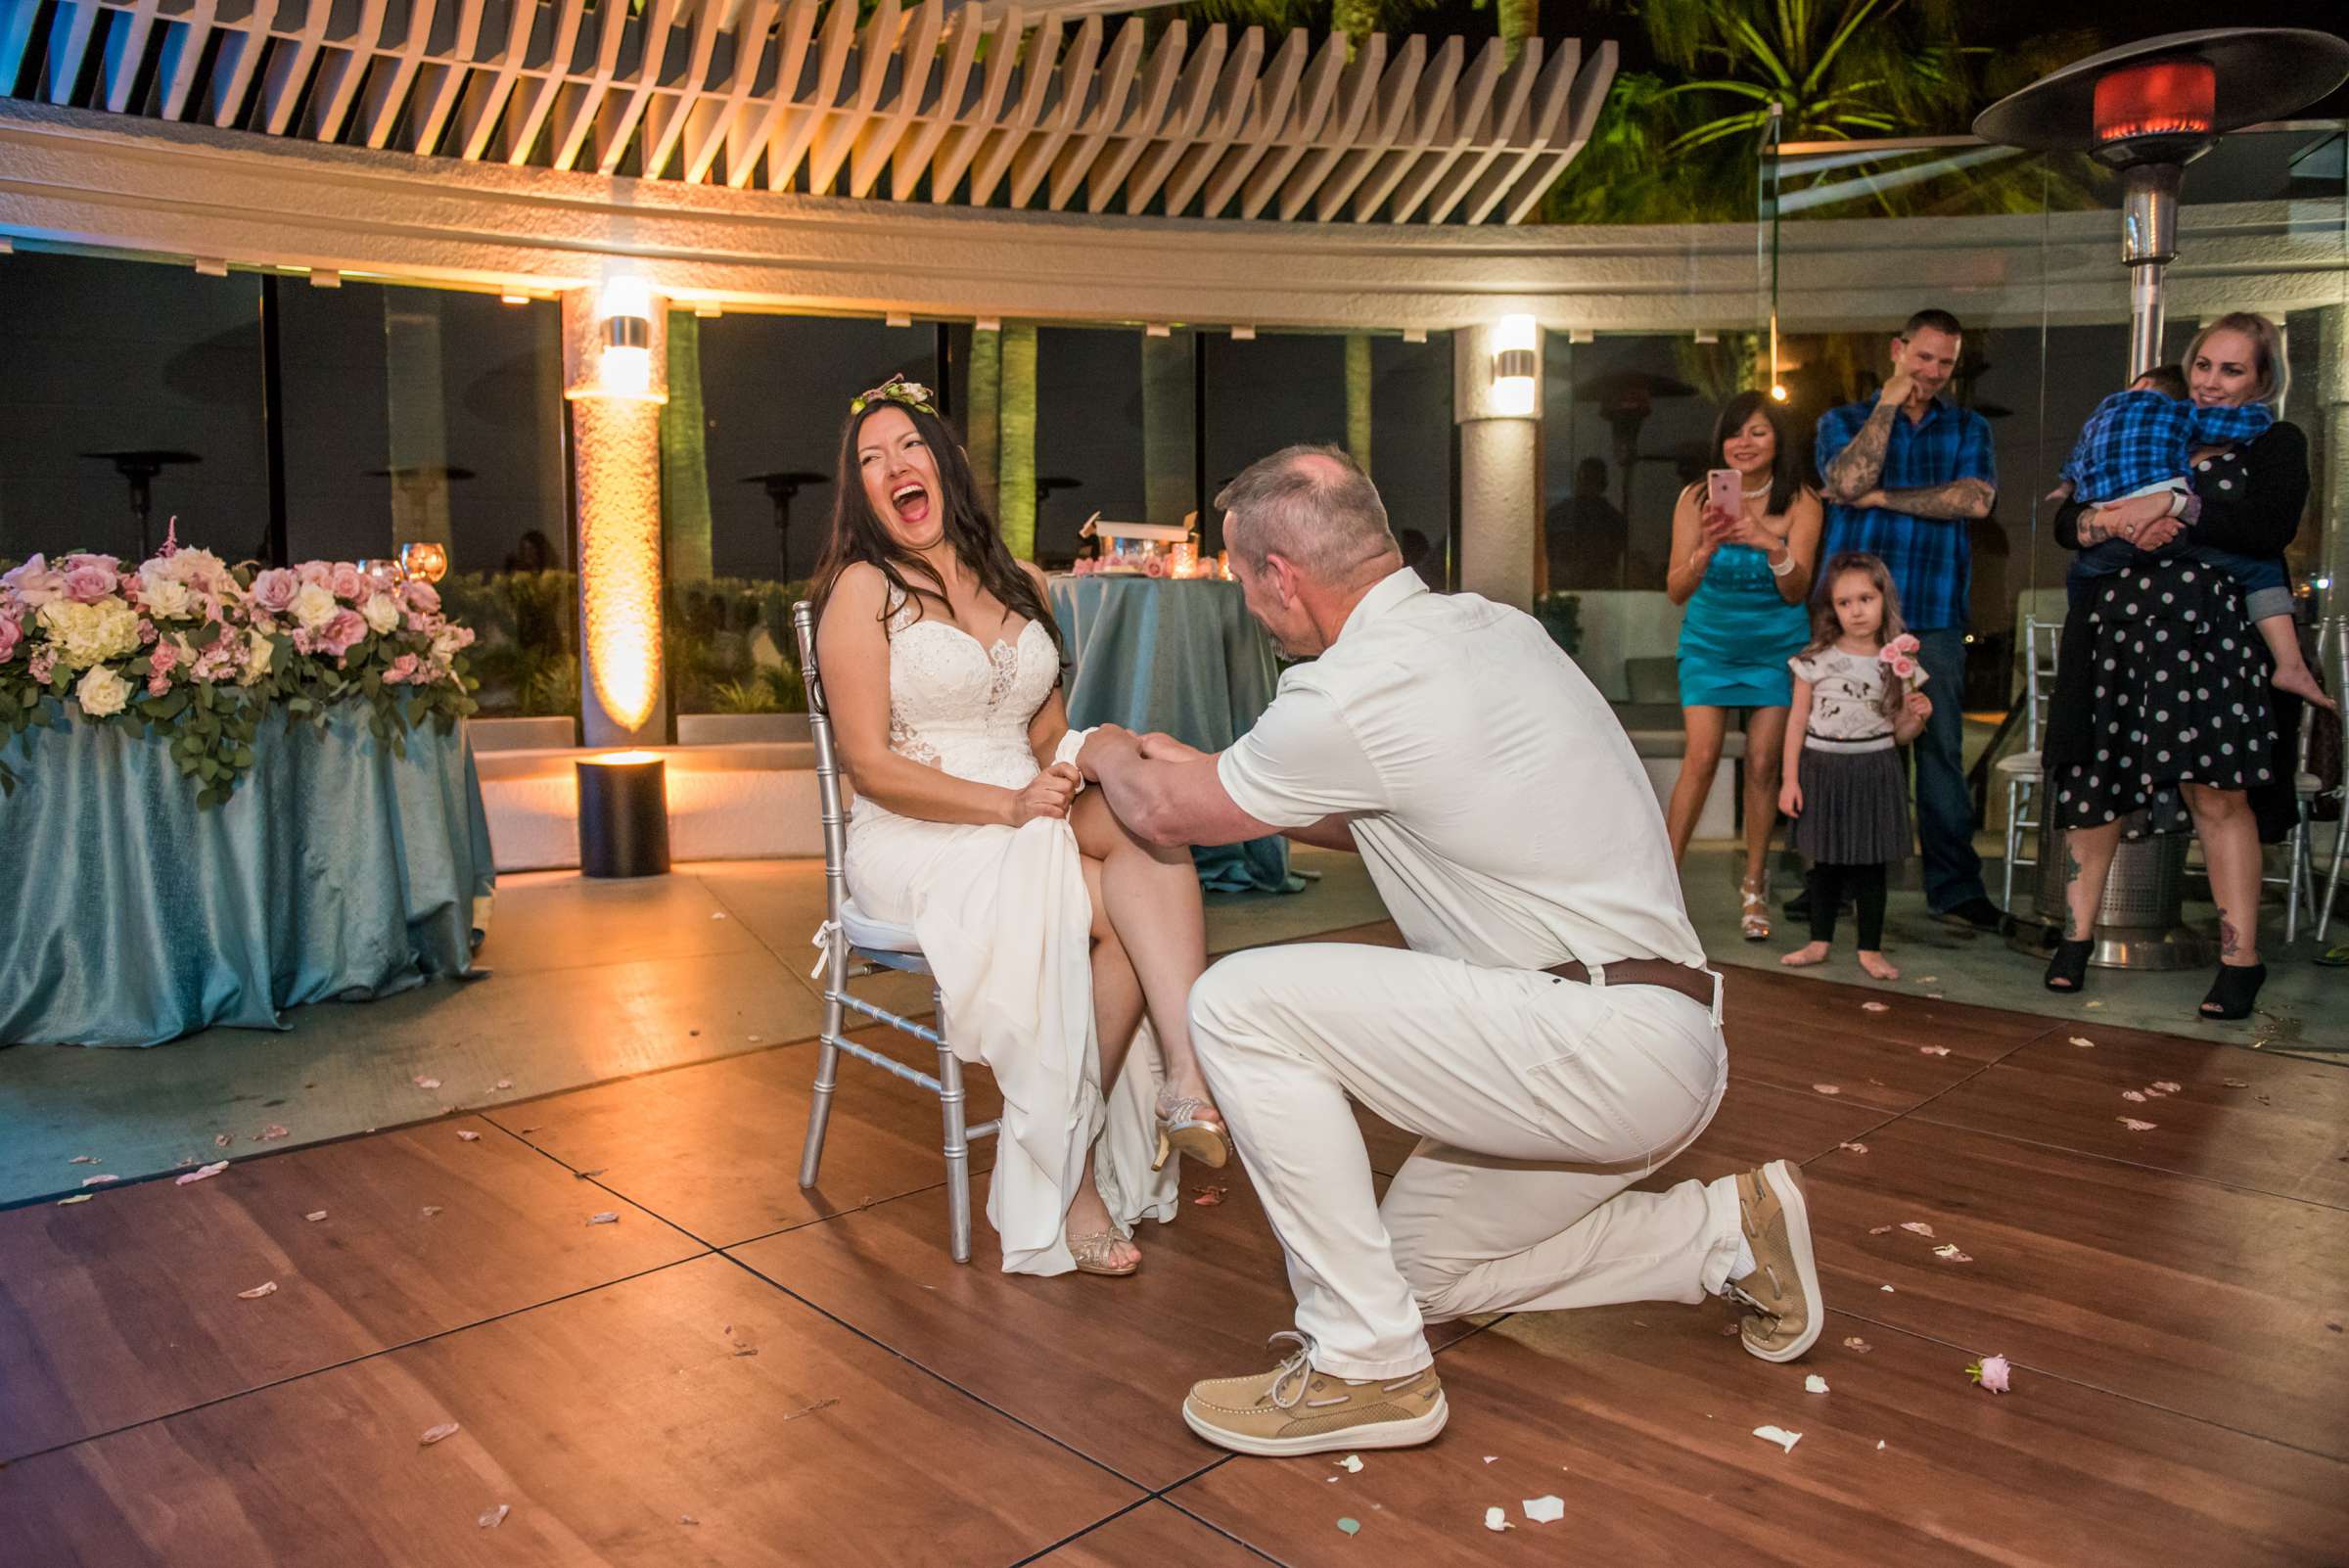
point(380, 614)
point(258, 650)
point(163, 596)
point(314, 606)
point(102, 692)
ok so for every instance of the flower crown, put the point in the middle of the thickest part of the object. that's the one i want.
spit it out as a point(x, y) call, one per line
point(895, 389)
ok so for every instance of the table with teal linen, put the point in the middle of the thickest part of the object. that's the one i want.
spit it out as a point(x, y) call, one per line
point(337, 869)
point(1186, 658)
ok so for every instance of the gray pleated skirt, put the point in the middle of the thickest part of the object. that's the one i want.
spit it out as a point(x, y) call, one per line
point(1855, 808)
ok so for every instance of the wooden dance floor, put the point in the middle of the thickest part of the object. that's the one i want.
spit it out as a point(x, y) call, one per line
point(735, 1371)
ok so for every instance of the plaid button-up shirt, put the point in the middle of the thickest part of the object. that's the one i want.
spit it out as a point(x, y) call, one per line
point(1930, 563)
point(2136, 440)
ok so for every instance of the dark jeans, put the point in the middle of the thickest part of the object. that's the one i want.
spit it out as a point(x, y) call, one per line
point(1945, 807)
point(1828, 883)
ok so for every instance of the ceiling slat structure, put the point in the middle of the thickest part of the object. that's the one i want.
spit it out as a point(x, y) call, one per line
point(1056, 107)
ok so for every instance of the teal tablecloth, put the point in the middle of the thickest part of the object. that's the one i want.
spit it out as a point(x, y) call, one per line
point(132, 917)
point(1184, 658)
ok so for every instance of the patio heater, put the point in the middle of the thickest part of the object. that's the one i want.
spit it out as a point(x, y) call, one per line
point(2148, 110)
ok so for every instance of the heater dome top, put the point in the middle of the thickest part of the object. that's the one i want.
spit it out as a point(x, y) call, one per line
point(2262, 73)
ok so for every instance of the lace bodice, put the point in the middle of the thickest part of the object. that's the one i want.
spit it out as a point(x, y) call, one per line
point(963, 707)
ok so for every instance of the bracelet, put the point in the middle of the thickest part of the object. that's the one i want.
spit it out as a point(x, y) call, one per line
point(1781, 569)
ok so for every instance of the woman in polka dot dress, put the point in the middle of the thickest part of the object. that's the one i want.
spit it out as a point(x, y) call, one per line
point(2163, 716)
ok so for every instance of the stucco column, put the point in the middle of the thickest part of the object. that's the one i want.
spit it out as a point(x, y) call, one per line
point(615, 375)
point(1501, 459)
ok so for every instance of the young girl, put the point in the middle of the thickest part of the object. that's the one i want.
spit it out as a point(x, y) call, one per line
point(1855, 699)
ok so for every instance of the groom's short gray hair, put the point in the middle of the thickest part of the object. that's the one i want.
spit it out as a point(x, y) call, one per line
point(1310, 505)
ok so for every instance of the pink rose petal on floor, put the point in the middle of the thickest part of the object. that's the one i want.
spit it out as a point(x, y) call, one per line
point(1875, 1008)
point(470, 1137)
point(84, 1158)
point(272, 1133)
point(2167, 1088)
point(434, 1434)
point(268, 1287)
point(1856, 1148)
point(314, 1215)
point(507, 1082)
point(428, 1210)
point(1932, 1050)
point(2237, 1083)
point(2133, 1096)
point(221, 1140)
point(494, 1517)
point(78, 1197)
point(423, 1083)
point(1948, 1252)
point(1917, 1227)
point(1856, 1343)
point(1878, 1231)
point(202, 1173)
point(98, 1180)
point(1826, 1088)
point(2134, 1125)
point(607, 1218)
point(1209, 1196)
point(2083, 1042)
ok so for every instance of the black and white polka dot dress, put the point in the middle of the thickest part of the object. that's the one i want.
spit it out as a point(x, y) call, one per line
point(2180, 694)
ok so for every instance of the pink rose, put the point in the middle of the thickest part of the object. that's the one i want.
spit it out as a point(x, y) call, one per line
point(342, 633)
point(42, 665)
point(90, 583)
point(405, 668)
point(1904, 668)
point(1992, 1372)
point(346, 581)
point(109, 564)
point(127, 584)
point(147, 631)
point(273, 590)
point(161, 662)
point(37, 582)
point(318, 572)
point(11, 634)
point(422, 597)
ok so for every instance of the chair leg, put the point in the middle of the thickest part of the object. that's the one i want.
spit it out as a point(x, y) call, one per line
point(957, 1148)
point(2332, 879)
point(827, 1066)
point(2014, 839)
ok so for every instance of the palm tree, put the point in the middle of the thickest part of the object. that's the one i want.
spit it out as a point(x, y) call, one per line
point(1016, 474)
point(1682, 145)
point(685, 455)
point(981, 438)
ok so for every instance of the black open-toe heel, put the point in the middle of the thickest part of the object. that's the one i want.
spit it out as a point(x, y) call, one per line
point(2067, 971)
point(2234, 991)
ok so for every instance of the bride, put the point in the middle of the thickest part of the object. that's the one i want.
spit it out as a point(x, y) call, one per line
point(1057, 938)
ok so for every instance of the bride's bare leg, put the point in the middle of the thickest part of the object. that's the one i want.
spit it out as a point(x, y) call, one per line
point(1117, 1013)
point(1152, 895)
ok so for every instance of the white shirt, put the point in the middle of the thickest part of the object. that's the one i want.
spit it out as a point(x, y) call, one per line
point(1847, 697)
point(1499, 806)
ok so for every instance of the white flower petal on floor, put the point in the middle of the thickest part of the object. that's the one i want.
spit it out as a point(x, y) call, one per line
point(1497, 1519)
point(1815, 1384)
point(434, 1434)
point(1780, 1434)
point(1545, 1510)
point(268, 1287)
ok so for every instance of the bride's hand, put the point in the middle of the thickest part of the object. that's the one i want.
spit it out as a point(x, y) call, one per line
point(1049, 794)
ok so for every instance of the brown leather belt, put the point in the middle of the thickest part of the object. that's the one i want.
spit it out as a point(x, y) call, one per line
point(1694, 984)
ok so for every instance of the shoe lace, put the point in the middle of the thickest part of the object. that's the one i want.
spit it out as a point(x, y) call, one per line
point(1296, 1371)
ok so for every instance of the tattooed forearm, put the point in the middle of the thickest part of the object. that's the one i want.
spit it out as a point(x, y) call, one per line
point(1964, 499)
point(1859, 465)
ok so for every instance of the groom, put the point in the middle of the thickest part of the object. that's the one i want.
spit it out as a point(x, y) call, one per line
point(1552, 1035)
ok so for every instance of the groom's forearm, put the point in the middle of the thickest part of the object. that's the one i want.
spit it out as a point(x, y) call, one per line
point(1332, 832)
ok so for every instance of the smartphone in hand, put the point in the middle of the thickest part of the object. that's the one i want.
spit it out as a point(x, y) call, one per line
point(1724, 490)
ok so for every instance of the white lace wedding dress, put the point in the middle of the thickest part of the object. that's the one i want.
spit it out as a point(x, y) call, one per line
point(1005, 919)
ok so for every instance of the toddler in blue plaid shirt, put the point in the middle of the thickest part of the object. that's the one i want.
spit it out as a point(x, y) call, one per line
point(2141, 440)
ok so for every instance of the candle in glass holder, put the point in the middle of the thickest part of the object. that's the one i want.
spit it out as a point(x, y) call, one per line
point(1186, 558)
point(1224, 565)
point(427, 559)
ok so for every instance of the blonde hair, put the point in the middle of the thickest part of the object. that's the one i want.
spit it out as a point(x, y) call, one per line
point(2269, 356)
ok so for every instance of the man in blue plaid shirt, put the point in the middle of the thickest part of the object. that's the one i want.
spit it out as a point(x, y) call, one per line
point(1904, 472)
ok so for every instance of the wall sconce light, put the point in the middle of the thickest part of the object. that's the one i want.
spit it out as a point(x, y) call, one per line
point(1243, 334)
point(1707, 334)
point(900, 318)
point(1582, 335)
point(513, 296)
point(988, 324)
point(708, 310)
point(427, 559)
point(1414, 335)
point(325, 278)
point(624, 333)
point(1157, 329)
point(207, 267)
point(1516, 367)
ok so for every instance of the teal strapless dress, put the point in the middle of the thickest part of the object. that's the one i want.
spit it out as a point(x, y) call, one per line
point(1737, 635)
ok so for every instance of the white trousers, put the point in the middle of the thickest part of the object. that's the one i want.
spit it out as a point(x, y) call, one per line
point(1538, 1102)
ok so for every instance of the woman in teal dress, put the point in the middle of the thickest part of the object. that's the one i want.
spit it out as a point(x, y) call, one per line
point(1742, 579)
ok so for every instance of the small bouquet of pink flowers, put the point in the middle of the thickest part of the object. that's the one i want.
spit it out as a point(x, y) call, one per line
point(1898, 657)
point(196, 653)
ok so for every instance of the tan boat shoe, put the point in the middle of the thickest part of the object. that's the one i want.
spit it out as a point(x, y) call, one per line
point(1295, 1409)
point(1783, 1288)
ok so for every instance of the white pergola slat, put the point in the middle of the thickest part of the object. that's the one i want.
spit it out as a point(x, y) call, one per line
point(1055, 105)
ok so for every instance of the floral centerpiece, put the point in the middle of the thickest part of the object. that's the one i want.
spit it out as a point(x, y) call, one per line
point(195, 653)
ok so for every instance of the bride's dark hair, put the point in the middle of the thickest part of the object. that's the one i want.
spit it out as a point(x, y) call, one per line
point(857, 535)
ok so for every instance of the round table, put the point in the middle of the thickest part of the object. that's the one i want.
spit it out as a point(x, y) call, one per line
point(1183, 657)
